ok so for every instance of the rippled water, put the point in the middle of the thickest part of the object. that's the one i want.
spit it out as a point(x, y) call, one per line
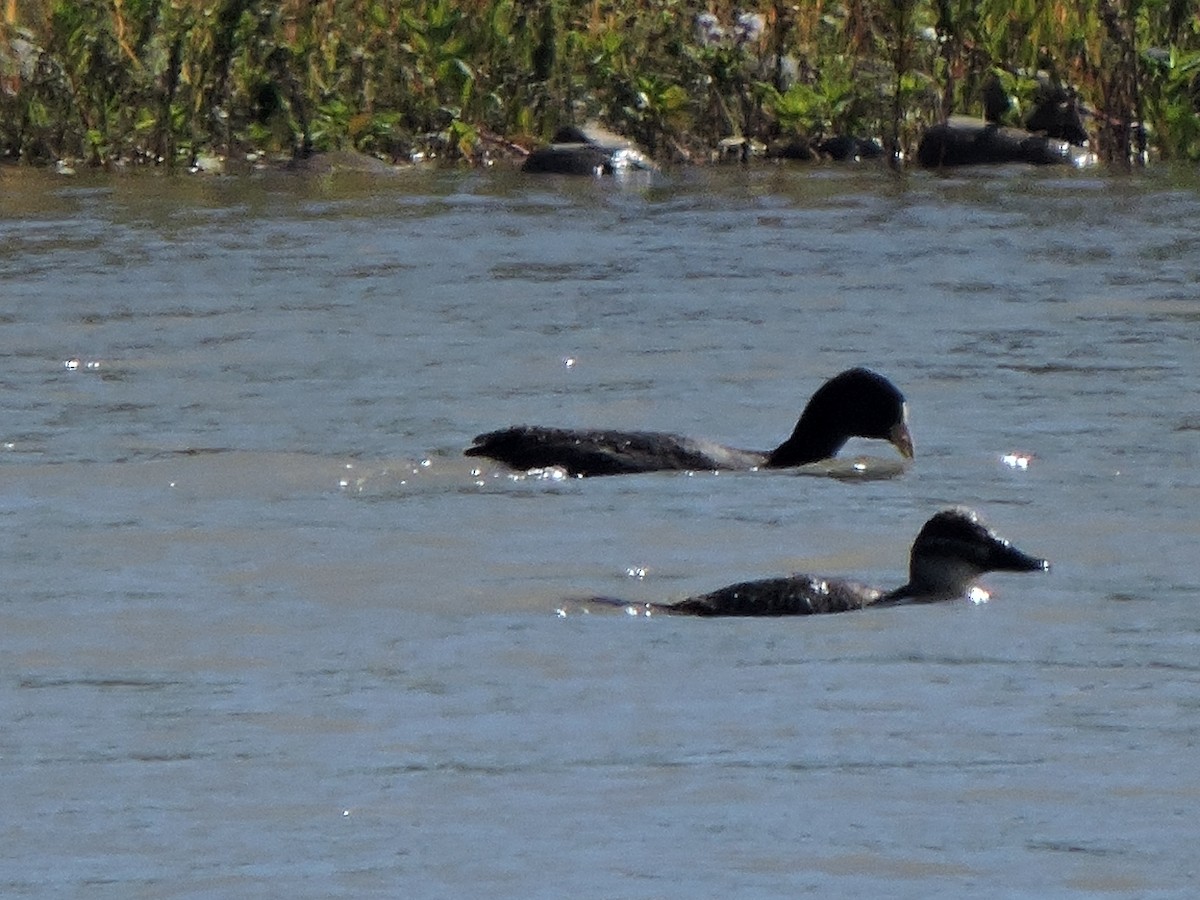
point(267, 633)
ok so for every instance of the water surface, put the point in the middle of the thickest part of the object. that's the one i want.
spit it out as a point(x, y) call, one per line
point(267, 633)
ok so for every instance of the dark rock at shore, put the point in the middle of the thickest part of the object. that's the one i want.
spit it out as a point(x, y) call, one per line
point(840, 148)
point(335, 161)
point(963, 142)
point(586, 150)
point(569, 159)
point(844, 148)
point(795, 148)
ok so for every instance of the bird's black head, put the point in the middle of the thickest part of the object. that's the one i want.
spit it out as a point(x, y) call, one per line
point(856, 403)
point(954, 548)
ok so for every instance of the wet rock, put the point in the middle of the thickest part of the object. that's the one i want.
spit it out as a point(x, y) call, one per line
point(963, 142)
point(332, 161)
point(586, 150)
point(796, 148)
point(843, 148)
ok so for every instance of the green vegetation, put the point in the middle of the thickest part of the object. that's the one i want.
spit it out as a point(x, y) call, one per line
point(166, 81)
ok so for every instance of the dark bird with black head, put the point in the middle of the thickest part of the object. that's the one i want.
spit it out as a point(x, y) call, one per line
point(952, 550)
point(856, 403)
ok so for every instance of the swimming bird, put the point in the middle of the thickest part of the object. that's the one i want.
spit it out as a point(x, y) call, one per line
point(952, 550)
point(856, 403)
